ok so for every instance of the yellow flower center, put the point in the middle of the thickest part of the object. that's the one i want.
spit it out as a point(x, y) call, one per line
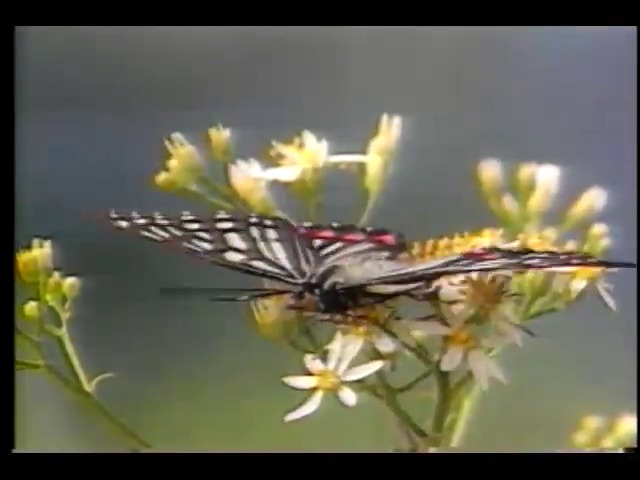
point(460, 338)
point(360, 331)
point(485, 293)
point(328, 381)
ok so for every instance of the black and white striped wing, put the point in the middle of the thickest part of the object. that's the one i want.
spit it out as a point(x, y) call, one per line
point(338, 242)
point(266, 247)
point(395, 274)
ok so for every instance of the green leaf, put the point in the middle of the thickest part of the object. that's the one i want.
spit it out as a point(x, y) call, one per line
point(103, 376)
point(28, 364)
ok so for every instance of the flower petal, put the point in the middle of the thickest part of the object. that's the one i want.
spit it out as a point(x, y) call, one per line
point(307, 408)
point(334, 349)
point(347, 396)
point(351, 346)
point(495, 371)
point(384, 344)
point(301, 382)
point(457, 313)
point(509, 331)
point(362, 371)
point(313, 363)
point(484, 368)
point(604, 290)
point(430, 327)
point(284, 174)
point(478, 365)
point(451, 358)
point(348, 158)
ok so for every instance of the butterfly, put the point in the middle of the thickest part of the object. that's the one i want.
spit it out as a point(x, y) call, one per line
point(332, 268)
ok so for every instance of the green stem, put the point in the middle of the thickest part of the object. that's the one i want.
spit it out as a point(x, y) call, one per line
point(70, 357)
point(409, 385)
point(463, 416)
point(418, 352)
point(389, 397)
point(97, 406)
point(79, 385)
point(368, 208)
point(443, 405)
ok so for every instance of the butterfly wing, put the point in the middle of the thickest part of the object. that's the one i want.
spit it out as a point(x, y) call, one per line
point(266, 247)
point(396, 274)
point(337, 242)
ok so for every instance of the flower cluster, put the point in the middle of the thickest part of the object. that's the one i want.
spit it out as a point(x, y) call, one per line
point(463, 324)
point(598, 433)
point(42, 329)
point(297, 164)
point(46, 313)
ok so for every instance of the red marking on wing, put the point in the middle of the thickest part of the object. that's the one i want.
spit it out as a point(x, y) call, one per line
point(383, 238)
point(386, 238)
point(480, 254)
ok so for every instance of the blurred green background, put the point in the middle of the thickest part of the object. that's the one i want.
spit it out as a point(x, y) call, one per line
point(94, 104)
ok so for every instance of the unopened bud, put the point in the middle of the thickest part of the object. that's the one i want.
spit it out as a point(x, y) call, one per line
point(54, 284)
point(31, 310)
point(526, 179)
point(220, 142)
point(590, 203)
point(490, 176)
point(547, 181)
point(71, 287)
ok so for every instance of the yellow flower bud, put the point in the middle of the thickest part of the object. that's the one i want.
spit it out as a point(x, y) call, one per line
point(490, 176)
point(248, 187)
point(547, 181)
point(510, 206)
point(608, 441)
point(45, 256)
point(272, 317)
point(27, 265)
point(582, 439)
point(54, 284)
point(592, 423)
point(220, 142)
point(597, 239)
point(590, 203)
point(525, 179)
point(183, 166)
point(31, 310)
point(165, 181)
point(71, 287)
point(385, 141)
point(625, 427)
point(571, 245)
point(33, 262)
point(598, 230)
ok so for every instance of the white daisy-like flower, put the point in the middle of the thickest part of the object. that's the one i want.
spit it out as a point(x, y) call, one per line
point(371, 335)
point(461, 345)
point(487, 295)
point(331, 376)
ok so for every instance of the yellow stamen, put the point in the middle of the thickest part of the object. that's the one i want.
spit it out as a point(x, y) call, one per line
point(461, 338)
point(328, 381)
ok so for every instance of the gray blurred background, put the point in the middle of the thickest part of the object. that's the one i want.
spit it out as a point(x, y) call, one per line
point(94, 104)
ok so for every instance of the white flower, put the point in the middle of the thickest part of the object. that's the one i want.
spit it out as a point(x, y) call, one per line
point(460, 344)
point(373, 336)
point(487, 295)
point(331, 376)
